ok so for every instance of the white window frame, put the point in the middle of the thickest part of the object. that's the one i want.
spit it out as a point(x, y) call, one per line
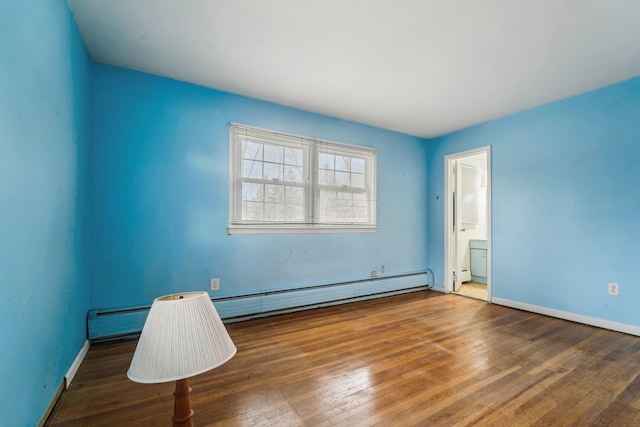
point(358, 200)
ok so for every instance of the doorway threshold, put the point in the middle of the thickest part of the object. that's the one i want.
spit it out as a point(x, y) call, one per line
point(473, 290)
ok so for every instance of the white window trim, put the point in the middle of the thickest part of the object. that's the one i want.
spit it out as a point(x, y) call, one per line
point(311, 227)
point(300, 229)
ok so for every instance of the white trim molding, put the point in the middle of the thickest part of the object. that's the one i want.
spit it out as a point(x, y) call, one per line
point(448, 216)
point(299, 229)
point(73, 369)
point(579, 318)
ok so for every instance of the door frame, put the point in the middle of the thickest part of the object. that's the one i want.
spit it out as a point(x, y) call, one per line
point(449, 260)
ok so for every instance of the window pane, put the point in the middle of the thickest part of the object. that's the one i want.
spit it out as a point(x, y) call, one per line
point(251, 150)
point(294, 208)
point(293, 156)
point(343, 199)
point(273, 212)
point(342, 178)
point(293, 174)
point(327, 207)
point(273, 153)
point(343, 163)
point(272, 171)
point(274, 193)
point(327, 214)
point(343, 214)
point(326, 177)
point(357, 180)
point(294, 213)
point(294, 196)
point(357, 165)
point(252, 211)
point(252, 192)
point(251, 169)
point(326, 161)
point(360, 199)
point(327, 197)
point(359, 215)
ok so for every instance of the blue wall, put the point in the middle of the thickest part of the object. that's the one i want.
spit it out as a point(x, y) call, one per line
point(565, 202)
point(43, 292)
point(159, 196)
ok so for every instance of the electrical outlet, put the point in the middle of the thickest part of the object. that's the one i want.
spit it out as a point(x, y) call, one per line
point(215, 284)
point(382, 269)
point(613, 289)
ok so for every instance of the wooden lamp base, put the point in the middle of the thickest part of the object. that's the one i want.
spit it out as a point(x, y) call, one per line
point(182, 411)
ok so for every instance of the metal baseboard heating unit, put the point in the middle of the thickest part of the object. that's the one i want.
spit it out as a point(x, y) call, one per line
point(110, 324)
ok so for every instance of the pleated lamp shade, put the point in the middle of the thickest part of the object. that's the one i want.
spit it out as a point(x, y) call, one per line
point(183, 336)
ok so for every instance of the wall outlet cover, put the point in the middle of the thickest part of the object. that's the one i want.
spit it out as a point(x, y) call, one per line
point(613, 289)
point(215, 284)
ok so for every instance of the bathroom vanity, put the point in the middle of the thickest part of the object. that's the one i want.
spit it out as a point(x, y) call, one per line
point(478, 249)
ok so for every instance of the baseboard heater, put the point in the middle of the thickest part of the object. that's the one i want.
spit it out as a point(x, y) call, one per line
point(111, 324)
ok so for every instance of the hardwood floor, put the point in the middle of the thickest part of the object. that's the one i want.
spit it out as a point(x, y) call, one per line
point(421, 359)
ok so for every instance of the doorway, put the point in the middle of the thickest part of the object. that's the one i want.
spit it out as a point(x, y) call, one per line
point(468, 223)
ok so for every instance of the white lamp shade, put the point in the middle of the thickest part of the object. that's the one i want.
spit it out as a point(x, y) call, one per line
point(183, 336)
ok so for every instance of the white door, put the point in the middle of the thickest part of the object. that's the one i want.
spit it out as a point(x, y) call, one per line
point(466, 217)
point(457, 198)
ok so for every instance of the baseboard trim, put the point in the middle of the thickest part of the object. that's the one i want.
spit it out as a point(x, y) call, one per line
point(66, 381)
point(73, 369)
point(52, 405)
point(578, 318)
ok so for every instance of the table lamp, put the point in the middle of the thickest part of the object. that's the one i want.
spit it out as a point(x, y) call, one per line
point(183, 336)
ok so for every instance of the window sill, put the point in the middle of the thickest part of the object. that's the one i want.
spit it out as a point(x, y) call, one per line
point(300, 229)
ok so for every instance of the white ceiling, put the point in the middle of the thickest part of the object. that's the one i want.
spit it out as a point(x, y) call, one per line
point(422, 67)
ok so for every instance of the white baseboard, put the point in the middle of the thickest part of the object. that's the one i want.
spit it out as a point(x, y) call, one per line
point(76, 364)
point(592, 321)
point(52, 404)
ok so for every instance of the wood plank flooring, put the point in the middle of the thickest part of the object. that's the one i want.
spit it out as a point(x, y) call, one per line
point(421, 359)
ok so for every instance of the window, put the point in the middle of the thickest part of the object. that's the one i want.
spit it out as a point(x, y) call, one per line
point(285, 183)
